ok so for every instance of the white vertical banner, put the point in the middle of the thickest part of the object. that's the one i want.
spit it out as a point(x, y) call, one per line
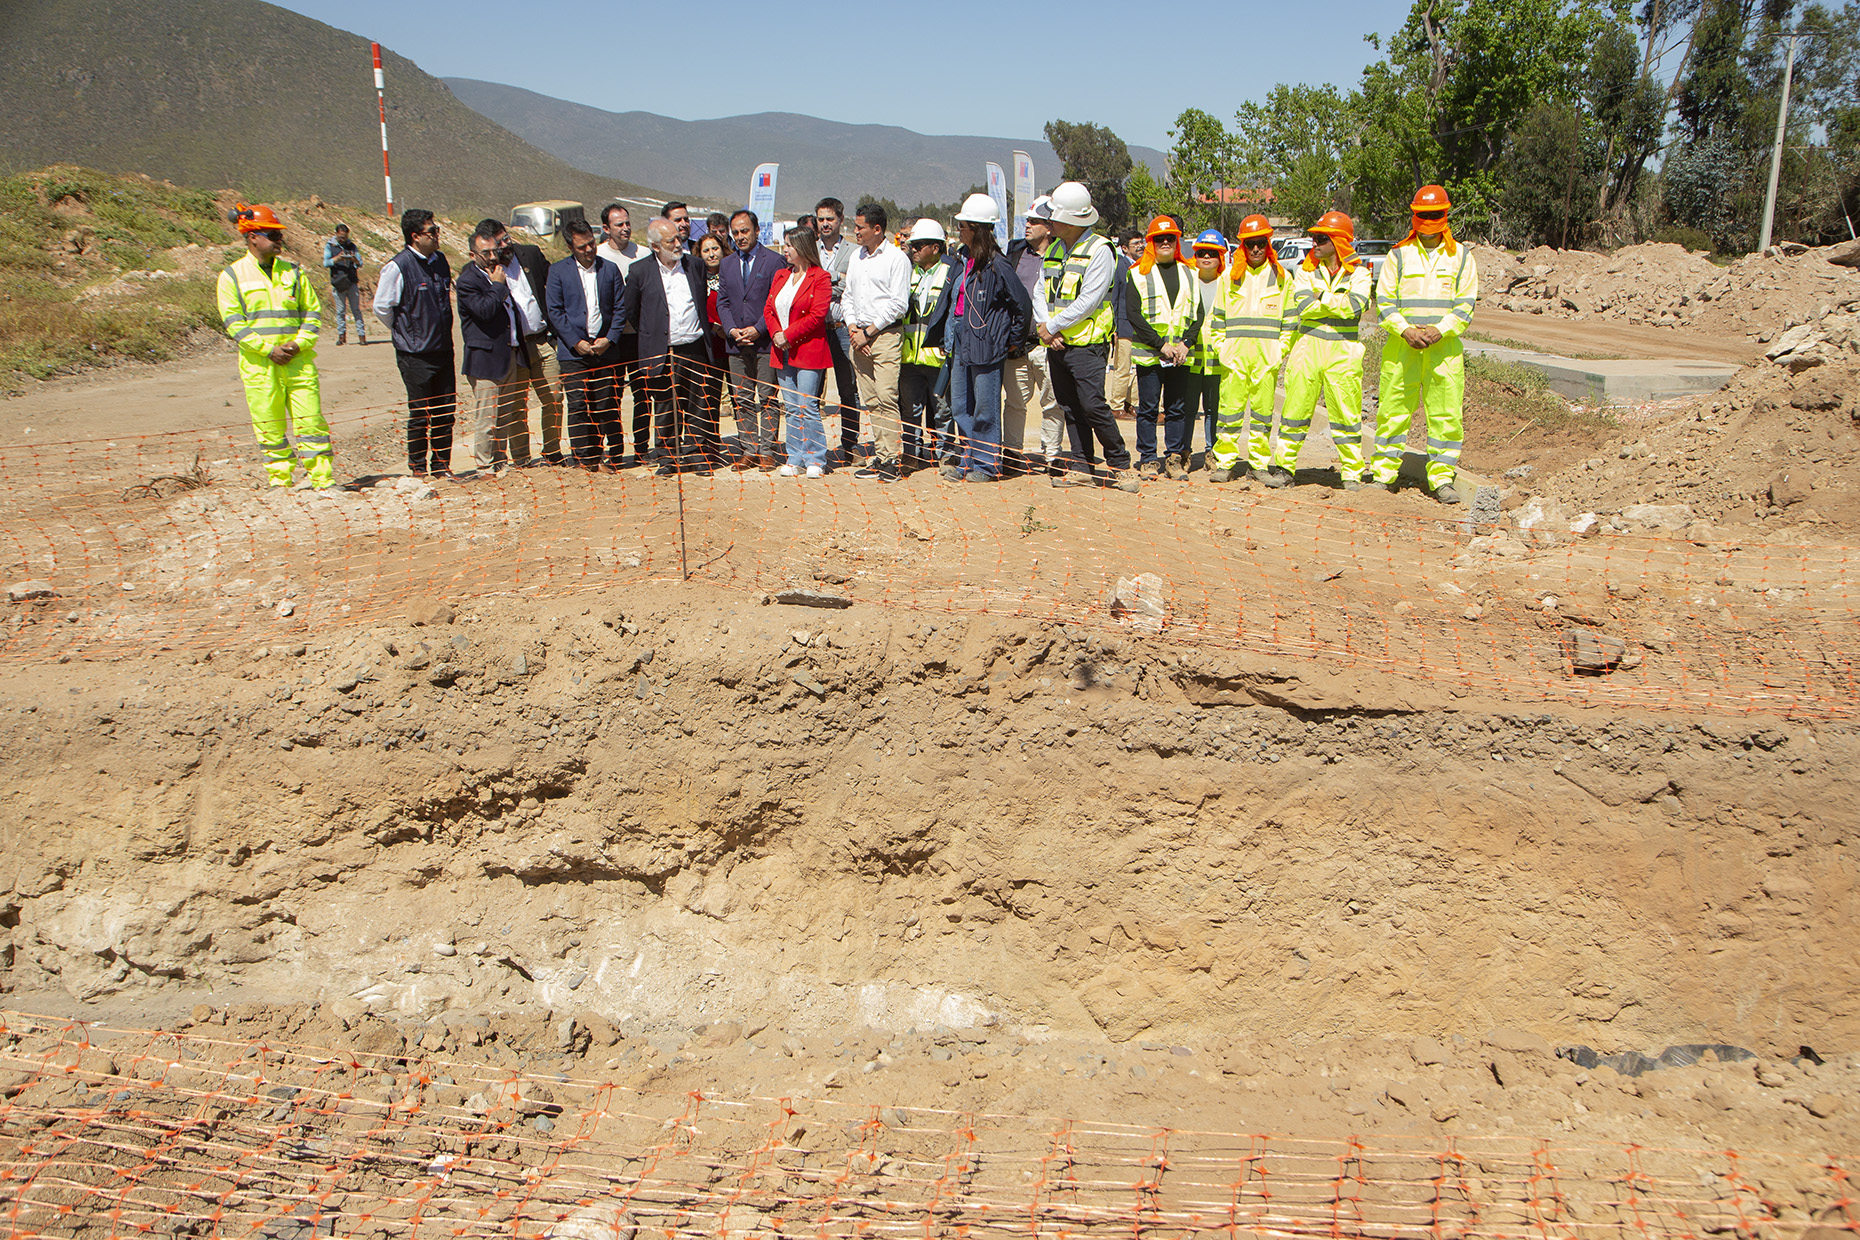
point(1023, 192)
point(997, 190)
point(762, 199)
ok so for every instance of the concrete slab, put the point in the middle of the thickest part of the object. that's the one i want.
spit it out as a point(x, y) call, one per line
point(1615, 381)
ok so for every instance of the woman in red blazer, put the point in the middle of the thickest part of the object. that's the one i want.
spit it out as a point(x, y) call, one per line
point(796, 316)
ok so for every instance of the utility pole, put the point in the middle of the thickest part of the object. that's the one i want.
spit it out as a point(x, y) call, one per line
point(1782, 124)
point(387, 181)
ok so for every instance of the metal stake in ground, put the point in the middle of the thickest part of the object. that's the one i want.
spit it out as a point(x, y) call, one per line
point(683, 571)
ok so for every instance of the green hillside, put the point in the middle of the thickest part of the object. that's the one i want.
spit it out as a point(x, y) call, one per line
point(242, 94)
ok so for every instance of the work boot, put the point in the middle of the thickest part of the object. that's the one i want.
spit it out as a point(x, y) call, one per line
point(1075, 478)
point(1126, 480)
point(1446, 494)
point(341, 338)
point(1276, 478)
point(1352, 484)
point(950, 473)
point(1174, 468)
point(1221, 473)
point(1376, 484)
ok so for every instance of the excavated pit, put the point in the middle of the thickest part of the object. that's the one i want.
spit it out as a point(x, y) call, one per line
point(671, 808)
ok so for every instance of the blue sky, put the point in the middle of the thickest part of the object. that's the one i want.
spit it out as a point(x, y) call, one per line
point(1112, 63)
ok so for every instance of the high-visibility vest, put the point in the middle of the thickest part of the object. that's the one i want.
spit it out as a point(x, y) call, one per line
point(1256, 313)
point(1328, 307)
point(261, 310)
point(926, 286)
point(1204, 358)
point(1423, 288)
point(1170, 319)
point(1065, 273)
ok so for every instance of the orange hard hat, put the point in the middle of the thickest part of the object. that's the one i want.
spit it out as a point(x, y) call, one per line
point(255, 219)
point(1336, 223)
point(1430, 198)
point(1163, 226)
point(1255, 226)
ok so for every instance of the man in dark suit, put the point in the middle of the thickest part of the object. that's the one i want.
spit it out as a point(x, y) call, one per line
point(742, 295)
point(665, 299)
point(546, 382)
point(583, 302)
point(497, 316)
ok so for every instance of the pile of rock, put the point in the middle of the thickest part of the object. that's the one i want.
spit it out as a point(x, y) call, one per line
point(1664, 285)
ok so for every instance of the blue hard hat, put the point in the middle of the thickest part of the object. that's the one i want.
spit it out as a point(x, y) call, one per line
point(1211, 237)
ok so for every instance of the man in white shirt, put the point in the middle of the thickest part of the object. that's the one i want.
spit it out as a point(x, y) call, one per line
point(622, 251)
point(664, 300)
point(878, 290)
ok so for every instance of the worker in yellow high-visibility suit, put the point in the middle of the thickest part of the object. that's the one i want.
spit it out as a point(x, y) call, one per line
point(1257, 334)
point(1329, 294)
point(270, 310)
point(1426, 291)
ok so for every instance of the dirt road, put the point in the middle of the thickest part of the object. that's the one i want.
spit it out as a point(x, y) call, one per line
point(1604, 339)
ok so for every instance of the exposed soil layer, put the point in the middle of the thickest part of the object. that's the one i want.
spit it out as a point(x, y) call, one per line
point(663, 812)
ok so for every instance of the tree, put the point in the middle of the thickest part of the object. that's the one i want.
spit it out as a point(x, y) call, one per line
point(1549, 176)
point(1201, 167)
point(1098, 159)
point(1147, 197)
point(1629, 111)
point(1485, 63)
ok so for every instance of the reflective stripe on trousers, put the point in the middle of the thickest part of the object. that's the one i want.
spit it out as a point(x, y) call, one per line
point(1434, 377)
point(1334, 368)
point(289, 393)
point(1246, 412)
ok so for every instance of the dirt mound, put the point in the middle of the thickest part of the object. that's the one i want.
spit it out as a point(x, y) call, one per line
point(1775, 448)
point(1758, 296)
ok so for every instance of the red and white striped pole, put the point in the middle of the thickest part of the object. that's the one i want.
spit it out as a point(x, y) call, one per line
point(387, 180)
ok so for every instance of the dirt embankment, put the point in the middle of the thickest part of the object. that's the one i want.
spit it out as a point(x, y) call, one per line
point(650, 811)
point(1757, 297)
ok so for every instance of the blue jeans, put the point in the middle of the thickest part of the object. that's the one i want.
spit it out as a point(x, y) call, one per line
point(349, 306)
point(975, 391)
point(1163, 390)
point(800, 395)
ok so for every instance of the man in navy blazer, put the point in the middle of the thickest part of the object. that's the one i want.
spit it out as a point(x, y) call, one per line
point(584, 311)
point(497, 316)
point(742, 295)
point(664, 299)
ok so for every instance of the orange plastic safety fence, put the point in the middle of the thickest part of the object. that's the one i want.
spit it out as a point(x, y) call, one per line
point(121, 1133)
point(110, 553)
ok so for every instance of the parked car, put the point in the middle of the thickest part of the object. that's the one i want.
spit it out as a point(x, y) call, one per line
point(1374, 252)
point(545, 219)
point(1292, 250)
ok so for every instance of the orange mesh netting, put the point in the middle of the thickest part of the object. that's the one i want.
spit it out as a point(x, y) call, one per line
point(113, 1132)
point(110, 560)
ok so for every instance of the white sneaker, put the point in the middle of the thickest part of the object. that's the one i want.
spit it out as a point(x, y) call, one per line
point(815, 471)
point(788, 471)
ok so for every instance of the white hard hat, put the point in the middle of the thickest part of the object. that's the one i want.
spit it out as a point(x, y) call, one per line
point(979, 209)
point(1072, 205)
point(1040, 208)
point(927, 229)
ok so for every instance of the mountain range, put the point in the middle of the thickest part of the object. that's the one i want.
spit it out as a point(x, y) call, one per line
point(244, 95)
point(714, 158)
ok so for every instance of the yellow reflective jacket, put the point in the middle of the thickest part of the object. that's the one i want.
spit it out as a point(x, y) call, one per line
point(261, 310)
point(1328, 307)
point(1422, 288)
point(1257, 327)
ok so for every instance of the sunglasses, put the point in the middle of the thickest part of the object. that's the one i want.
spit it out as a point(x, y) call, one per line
point(1257, 243)
point(1430, 215)
point(275, 236)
